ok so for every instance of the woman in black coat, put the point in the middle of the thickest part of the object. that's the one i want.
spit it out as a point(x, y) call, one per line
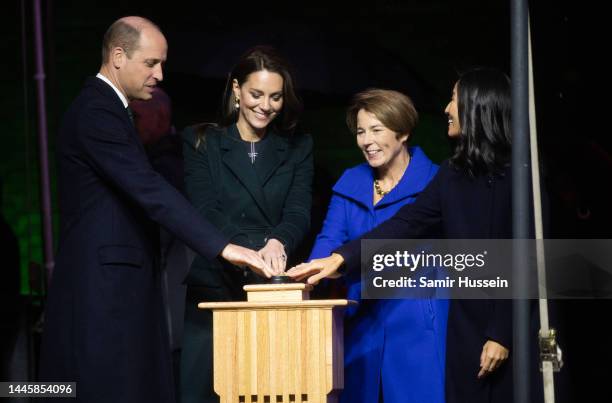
point(470, 197)
point(250, 176)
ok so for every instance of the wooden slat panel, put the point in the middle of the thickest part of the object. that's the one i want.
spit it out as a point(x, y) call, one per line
point(328, 351)
point(217, 357)
point(313, 355)
point(263, 353)
point(241, 368)
point(252, 341)
point(294, 353)
point(226, 340)
point(273, 352)
point(323, 332)
point(283, 362)
point(304, 351)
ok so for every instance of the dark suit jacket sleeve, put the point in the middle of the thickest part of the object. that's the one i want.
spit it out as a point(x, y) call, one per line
point(295, 220)
point(499, 322)
point(411, 221)
point(200, 185)
point(116, 156)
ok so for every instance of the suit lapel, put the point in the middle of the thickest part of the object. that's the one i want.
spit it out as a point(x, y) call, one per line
point(275, 157)
point(234, 156)
point(112, 97)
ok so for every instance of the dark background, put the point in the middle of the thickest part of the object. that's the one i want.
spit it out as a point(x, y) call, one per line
point(337, 49)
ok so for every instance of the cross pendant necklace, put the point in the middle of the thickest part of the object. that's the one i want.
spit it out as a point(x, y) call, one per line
point(253, 153)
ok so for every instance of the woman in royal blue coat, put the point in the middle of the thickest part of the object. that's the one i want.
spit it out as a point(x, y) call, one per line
point(394, 349)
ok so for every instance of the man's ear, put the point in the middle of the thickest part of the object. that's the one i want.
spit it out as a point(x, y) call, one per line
point(118, 57)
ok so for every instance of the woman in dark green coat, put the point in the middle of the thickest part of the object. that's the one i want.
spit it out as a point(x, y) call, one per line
point(251, 176)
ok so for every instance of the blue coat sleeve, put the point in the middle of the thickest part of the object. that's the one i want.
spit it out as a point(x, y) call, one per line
point(335, 229)
point(116, 156)
point(409, 222)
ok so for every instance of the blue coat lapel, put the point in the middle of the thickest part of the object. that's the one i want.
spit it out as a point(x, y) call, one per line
point(358, 183)
point(415, 178)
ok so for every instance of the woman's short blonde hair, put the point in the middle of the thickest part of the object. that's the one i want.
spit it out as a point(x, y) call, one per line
point(394, 110)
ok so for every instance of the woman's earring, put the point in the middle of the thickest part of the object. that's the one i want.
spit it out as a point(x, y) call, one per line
point(237, 103)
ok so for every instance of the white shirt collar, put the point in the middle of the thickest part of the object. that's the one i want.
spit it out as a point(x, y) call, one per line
point(119, 93)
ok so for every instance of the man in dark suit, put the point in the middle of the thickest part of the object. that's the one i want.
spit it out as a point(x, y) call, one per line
point(104, 325)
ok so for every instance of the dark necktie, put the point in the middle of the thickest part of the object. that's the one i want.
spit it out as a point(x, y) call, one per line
point(130, 114)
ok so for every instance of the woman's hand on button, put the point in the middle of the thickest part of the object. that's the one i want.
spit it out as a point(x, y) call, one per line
point(273, 253)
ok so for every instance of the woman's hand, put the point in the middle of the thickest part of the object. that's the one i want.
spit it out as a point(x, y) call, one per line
point(317, 269)
point(273, 253)
point(493, 355)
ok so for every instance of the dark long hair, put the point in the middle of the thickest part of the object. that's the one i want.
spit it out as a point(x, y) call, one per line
point(253, 60)
point(484, 105)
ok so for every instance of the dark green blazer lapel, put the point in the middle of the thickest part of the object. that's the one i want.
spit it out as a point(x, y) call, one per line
point(277, 155)
point(234, 156)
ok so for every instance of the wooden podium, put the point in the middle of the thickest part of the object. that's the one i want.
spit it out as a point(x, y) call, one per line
point(278, 346)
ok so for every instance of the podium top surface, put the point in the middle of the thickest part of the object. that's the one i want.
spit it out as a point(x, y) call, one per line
point(312, 303)
point(278, 287)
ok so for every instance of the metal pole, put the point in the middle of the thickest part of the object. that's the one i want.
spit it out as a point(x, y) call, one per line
point(520, 197)
point(45, 193)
